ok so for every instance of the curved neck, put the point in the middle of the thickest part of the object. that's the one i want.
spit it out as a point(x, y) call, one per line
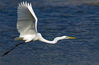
point(51, 42)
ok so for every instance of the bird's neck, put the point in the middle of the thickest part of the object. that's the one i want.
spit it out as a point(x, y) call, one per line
point(51, 42)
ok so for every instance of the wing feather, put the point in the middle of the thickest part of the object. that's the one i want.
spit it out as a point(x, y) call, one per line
point(27, 20)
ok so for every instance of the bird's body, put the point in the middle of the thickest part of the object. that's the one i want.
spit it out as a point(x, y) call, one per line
point(29, 37)
point(27, 25)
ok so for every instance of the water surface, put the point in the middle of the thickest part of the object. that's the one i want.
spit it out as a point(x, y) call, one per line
point(56, 18)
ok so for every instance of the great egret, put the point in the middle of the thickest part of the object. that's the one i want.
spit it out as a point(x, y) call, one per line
point(27, 27)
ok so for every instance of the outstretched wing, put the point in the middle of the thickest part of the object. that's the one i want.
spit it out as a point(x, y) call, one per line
point(27, 20)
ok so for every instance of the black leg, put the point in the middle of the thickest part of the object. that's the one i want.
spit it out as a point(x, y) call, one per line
point(12, 48)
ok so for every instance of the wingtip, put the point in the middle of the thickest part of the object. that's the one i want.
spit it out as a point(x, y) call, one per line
point(25, 3)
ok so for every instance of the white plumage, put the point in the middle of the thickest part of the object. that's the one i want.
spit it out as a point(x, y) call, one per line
point(27, 25)
point(27, 21)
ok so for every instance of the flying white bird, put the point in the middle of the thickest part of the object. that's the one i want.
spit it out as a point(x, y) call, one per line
point(27, 25)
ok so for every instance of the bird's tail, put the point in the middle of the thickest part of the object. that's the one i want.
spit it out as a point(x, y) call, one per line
point(18, 38)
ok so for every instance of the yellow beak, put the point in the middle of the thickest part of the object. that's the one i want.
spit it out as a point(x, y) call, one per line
point(71, 37)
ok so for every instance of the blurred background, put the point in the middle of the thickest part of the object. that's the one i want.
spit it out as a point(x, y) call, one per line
point(78, 18)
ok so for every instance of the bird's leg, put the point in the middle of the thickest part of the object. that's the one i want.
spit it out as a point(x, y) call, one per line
point(12, 48)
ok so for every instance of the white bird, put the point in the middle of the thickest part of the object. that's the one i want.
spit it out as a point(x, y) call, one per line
point(27, 25)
